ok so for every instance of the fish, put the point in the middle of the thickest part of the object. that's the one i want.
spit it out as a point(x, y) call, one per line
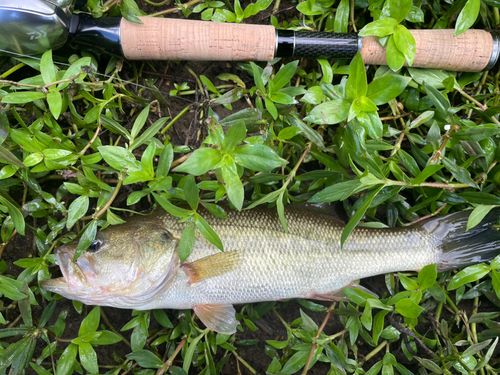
point(136, 265)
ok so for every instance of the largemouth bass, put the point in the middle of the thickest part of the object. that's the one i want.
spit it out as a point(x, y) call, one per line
point(136, 265)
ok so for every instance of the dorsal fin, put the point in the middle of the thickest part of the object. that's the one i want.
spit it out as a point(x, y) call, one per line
point(212, 266)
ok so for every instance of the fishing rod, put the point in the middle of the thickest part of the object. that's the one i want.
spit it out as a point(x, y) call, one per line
point(33, 26)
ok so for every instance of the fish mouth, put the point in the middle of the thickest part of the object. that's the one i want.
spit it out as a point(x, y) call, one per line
point(73, 278)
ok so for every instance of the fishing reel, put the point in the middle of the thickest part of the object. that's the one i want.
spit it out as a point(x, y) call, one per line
point(31, 27)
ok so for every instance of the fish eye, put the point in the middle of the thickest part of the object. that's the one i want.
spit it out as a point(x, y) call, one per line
point(166, 237)
point(96, 245)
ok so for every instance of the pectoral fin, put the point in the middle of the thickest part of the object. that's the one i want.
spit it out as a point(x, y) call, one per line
point(212, 266)
point(219, 318)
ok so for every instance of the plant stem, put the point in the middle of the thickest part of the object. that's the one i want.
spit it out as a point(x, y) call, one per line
point(173, 10)
point(169, 362)
point(12, 70)
point(115, 193)
point(375, 351)
point(174, 120)
point(315, 343)
point(113, 329)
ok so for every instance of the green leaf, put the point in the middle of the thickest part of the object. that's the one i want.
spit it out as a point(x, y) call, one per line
point(440, 101)
point(399, 9)
point(165, 161)
point(15, 214)
point(296, 362)
point(11, 288)
point(55, 102)
point(77, 209)
point(475, 134)
point(139, 122)
point(281, 98)
point(341, 17)
point(468, 275)
point(395, 58)
point(330, 112)
point(106, 338)
point(467, 16)
point(337, 192)
point(147, 159)
point(234, 187)
point(145, 359)
point(307, 131)
point(382, 90)
point(67, 359)
point(260, 158)
point(200, 162)
point(408, 308)
point(88, 357)
point(234, 136)
point(187, 241)
point(288, 133)
point(428, 171)
point(191, 192)
point(170, 208)
point(257, 76)
point(408, 284)
point(478, 214)
point(91, 322)
point(356, 85)
point(112, 125)
point(365, 104)
point(427, 276)
point(87, 238)
point(47, 68)
point(119, 158)
point(207, 231)
point(129, 11)
point(381, 27)
point(271, 108)
point(23, 97)
point(360, 212)
point(190, 352)
point(284, 75)
point(10, 158)
point(459, 172)
point(405, 43)
point(162, 318)
point(149, 133)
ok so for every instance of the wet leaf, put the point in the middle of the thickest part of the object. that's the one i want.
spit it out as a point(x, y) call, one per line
point(467, 16)
point(468, 275)
point(478, 214)
point(408, 308)
point(77, 209)
point(200, 162)
point(187, 241)
point(381, 27)
point(91, 322)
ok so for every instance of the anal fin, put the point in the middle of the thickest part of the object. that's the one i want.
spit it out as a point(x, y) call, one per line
point(219, 318)
point(212, 266)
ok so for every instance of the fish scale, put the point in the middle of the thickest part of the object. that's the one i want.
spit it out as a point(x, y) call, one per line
point(137, 264)
point(306, 263)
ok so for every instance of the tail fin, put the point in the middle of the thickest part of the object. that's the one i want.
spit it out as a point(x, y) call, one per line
point(461, 248)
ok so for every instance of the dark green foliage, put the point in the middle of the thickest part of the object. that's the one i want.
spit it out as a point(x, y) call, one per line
point(80, 147)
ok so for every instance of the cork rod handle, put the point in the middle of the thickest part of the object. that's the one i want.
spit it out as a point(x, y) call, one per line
point(471, 51)
point(175, 39)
